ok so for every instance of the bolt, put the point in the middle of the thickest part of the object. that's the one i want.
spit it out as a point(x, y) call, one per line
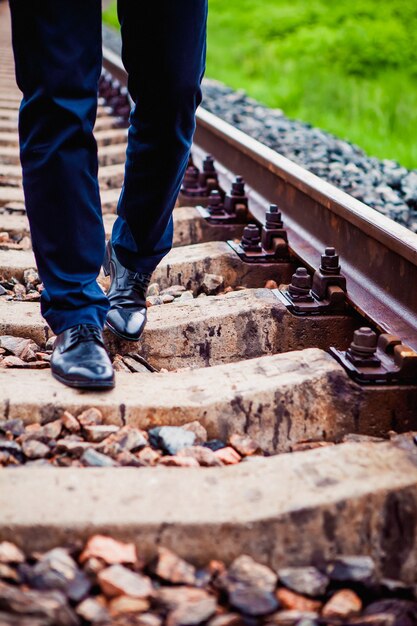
point(215, 205)
point(273, 217)
point(238, 187)
point(191, 178)
point(301, 278)
point(251, 238)
point(330, 261)
point(208, 164)
point(364, 342)
point(300, 286)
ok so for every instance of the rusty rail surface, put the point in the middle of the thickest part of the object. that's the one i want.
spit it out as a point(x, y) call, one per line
point(378, 256)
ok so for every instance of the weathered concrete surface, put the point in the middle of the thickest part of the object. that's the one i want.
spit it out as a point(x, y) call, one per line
point(202, 332)
point(197, 333)
point(108, 154)
point(16, 224)
point(8, 138)
point(103, 137)
point(23, 319)
point(9, 155)
point(8, 125)
point(189, 226)
point(10, 194)
point(277, 400)
point(112, 154)
point(6, 103)
point(9, 115)
point(15, 262)
point(284, 511)
point(182, 266)
point(188, 264)
point(109, 175)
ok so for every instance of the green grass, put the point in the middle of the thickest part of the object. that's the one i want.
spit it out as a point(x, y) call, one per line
point(349, 67)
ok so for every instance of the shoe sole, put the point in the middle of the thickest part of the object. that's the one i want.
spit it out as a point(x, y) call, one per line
point(120, 335)
point(85, 385)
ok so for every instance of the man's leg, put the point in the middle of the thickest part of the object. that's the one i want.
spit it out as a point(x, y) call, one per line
point(164, 45)
point(57, 46)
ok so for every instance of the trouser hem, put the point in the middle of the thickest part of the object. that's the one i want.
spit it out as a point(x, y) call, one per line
point(59, 321)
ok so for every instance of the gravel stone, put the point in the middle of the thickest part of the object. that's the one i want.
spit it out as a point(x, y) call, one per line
point(92, 458)
point(10, 446)
point(293, 618)
point(250, 586)
point(109, 550)
point(154, 301)
point(296, 602)
point(212, 283)
point(171, 438)
point(357, 568)
point(12, 361)
point(33, 449)
point(188, 606)
point(305, 580)
point(19, 347)
point(9, 553)
point(118, 580)
point(70, 422)
point(342, 604)
point(227, 619)
point(401, 612)
point(55, 569)
point(50, 608)
point(13, 426)
point(97, 433)
point(243, 444)
point(198, 429)
point(90, 417)
point(148, 619)
point(92, 611)
point(178, 461)
point(153, 290)
point(173, 569)
point(126, 605)
point(186, 295)
point(228, 456)
point(214, 444)
point(72, 447)
point(174, 290)
point(204, 456)
point(129, 439)
point(252, 601)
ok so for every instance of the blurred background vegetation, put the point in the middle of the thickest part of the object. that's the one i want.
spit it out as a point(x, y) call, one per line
point(349, 67)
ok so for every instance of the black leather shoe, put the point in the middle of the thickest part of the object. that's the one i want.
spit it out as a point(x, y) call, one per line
point(127, 295)
point(80, 359)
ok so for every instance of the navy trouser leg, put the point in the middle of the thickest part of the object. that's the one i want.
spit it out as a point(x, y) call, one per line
point(57, 46)
point(164, 46)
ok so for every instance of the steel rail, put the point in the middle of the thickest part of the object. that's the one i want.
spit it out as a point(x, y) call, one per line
point(378, 256)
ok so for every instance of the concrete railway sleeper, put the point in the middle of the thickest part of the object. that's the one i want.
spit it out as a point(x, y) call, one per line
point(259, 445)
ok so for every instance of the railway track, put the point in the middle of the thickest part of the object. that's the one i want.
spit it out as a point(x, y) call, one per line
point(317, 366)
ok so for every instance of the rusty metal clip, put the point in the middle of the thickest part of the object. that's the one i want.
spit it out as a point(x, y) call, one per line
point(232, 210)
point(324, 294)
point(251, 248)
point(379, 360)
